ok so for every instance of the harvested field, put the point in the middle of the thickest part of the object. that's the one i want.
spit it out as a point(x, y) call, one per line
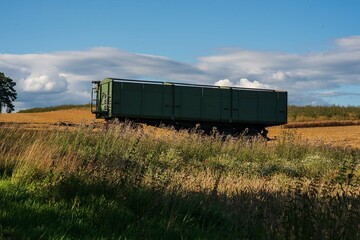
point(61, 118)
point(73, 116)
point(342, 136)
point(336, 135)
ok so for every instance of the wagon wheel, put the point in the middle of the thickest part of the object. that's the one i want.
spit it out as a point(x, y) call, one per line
point(264, 133)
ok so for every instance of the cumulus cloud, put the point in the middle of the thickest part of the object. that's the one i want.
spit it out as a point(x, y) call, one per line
point(243, 82)
point(65, 77)
point(224, 83)
point(44, 83)
point(303, 75)
point(290, 71)
point(249, 84)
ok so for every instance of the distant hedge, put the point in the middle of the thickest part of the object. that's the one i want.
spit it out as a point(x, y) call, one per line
point(55, 108)
point(309, 113)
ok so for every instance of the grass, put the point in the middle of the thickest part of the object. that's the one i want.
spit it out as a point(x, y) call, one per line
point(122, 183)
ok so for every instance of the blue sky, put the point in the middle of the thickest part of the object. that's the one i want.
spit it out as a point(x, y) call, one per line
point(53, 49)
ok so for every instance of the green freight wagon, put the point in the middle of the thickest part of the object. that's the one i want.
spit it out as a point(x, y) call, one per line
point(229, 109)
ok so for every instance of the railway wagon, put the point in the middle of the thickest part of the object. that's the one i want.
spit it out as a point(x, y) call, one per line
point(229, 109)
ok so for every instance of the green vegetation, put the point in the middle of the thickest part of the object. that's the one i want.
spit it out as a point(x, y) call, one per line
point(7, 93)
point(55, 108)
point(334, 113)
point(122, 183)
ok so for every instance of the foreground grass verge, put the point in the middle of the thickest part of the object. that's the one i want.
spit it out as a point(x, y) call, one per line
point(122, 183)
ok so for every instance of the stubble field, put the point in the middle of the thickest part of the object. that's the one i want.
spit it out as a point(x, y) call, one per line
point(341, 136)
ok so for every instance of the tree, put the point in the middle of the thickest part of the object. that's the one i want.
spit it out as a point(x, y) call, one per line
point(7, 93)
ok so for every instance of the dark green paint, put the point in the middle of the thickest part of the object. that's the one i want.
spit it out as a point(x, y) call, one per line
point(163, 101)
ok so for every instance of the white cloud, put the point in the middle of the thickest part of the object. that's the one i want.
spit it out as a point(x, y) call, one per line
point(279, 76)
point(224, 83)
point(336, 94)
point(282, 69)
point(243, 82)
point(44, 83)
point(350, 43)
point(67, 75)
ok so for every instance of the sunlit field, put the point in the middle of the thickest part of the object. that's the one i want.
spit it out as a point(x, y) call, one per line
point(125, 181)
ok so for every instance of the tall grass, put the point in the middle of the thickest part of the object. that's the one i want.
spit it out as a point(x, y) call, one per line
point(123, 182)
